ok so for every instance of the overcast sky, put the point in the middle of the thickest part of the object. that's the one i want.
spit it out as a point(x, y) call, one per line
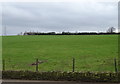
point(59, 16)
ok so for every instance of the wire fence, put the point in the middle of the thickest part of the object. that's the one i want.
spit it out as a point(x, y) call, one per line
point(69, 65)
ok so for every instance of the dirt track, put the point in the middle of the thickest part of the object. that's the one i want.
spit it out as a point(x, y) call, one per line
point(46, 82)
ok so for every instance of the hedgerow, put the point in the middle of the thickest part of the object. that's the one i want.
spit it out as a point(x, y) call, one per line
point(63, 76)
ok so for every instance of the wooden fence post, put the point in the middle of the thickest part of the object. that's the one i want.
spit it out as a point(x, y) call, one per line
point(3, 64)
point(73, 64)
point(36, 65)
point(115, 64)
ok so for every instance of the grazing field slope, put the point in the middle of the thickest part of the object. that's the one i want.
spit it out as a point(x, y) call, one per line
point(91, 52)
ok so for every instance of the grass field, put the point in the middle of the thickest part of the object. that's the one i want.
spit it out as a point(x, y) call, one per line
point(92, 52)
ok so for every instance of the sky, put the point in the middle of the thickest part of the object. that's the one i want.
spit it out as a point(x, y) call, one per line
point(58, 16)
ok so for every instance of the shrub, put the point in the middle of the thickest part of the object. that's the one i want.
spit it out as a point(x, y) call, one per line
point(63, 76)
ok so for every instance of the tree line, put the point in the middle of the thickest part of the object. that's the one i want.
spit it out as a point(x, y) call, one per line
point(69, 33)
point(110, 30)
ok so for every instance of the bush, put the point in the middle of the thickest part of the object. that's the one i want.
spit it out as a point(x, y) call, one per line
point(63, 76)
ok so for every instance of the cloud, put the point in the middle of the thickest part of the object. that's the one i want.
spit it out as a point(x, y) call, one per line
point(59, 16)
point(0, 19)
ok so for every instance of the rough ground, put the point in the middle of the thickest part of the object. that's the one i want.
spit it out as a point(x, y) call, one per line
point(46, 82)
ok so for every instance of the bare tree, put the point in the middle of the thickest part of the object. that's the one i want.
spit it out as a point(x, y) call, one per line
point(111, 30)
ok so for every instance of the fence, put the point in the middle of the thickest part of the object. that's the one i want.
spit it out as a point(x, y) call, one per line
point(69, 65)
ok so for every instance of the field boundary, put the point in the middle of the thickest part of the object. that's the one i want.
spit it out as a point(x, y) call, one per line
point(63, 76)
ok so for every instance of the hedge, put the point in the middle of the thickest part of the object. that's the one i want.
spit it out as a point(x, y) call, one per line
point(63, 76)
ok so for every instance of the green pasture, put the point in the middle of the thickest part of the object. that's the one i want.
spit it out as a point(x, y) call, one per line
point(91, 52)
